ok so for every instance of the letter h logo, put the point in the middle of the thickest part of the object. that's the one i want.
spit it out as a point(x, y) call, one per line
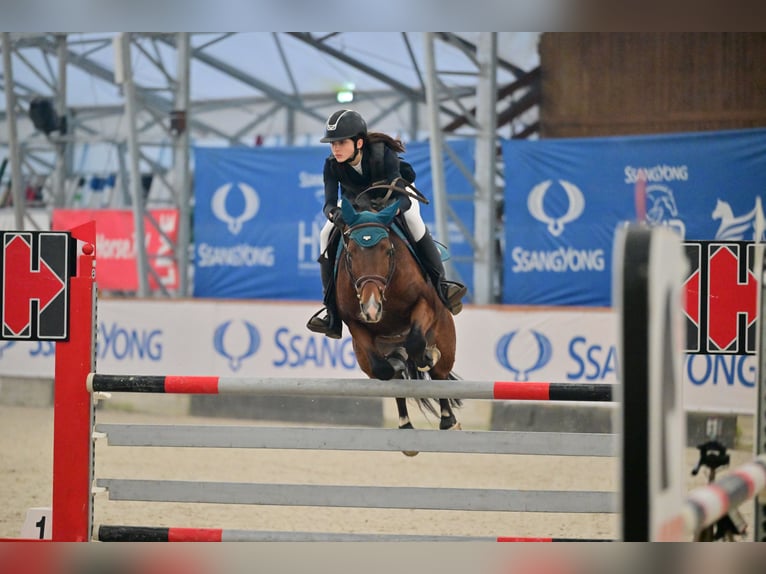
point(721, 298)
point(35, 285)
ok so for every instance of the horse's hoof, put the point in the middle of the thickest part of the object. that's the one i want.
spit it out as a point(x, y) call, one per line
point(431, 357)
point(408, 425)
point(450, 423)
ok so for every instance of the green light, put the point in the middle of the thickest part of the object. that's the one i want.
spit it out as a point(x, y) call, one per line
point(345, 96)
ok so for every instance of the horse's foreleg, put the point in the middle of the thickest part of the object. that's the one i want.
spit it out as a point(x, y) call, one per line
point(375, 365)
point(420, 345)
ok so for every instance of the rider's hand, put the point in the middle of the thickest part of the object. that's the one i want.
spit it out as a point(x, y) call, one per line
point(337, 218)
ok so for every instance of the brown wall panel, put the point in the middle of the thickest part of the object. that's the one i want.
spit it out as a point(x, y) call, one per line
point(598, 84)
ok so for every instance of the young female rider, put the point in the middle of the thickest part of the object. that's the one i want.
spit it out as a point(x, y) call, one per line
point(353, 167)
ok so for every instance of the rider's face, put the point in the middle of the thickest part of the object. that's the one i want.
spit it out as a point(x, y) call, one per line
point(342, 150)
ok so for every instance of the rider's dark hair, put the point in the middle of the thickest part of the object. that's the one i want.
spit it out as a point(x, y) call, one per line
point(394, 143)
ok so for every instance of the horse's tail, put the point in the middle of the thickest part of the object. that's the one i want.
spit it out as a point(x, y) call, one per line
point(453, 376)
point(429, 404)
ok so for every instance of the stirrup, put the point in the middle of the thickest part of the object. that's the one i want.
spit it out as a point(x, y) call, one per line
point(455, 308)
point(453, 291)
point(452, 295)
point(322, 325)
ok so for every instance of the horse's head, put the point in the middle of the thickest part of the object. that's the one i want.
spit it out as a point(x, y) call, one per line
point(369, 256)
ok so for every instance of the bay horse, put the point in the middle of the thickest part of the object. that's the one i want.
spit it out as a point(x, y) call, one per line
point(399, 326)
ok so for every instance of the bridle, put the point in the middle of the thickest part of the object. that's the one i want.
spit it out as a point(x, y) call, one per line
point(378, 280)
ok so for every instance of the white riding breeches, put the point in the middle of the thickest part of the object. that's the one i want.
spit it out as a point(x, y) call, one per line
point(324, 237)
point(415, 221)
point(412, 218)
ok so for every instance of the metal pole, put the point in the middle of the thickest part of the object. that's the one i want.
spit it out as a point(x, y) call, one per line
point(290, 126)
point(59, 180)
point(414, 117)
point(13, 138)
point(437, 160)
point(759, 422)
point(181, 163)
point(484, 212)
point(124, 178)
point(129, 88)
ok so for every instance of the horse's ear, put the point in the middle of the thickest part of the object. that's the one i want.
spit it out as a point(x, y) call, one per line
point(387, 215)
point(349, 213)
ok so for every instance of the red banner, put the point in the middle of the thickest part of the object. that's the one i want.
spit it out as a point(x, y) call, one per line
point(116, 245)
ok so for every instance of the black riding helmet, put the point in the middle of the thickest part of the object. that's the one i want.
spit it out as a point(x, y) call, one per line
point(344, 124)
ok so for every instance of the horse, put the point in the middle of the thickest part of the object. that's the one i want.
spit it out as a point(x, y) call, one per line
point(399, 326)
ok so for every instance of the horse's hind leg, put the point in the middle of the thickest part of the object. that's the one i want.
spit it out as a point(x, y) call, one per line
point(404, 420)
point(448, 419)
point(404, 417)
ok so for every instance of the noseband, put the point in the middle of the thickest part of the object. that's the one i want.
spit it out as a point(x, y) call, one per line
point(380, 281)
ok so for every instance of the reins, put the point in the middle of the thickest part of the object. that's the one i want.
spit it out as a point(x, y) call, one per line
point(409, 190)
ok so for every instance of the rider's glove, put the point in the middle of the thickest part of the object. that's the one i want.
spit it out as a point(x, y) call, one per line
point(337, 218)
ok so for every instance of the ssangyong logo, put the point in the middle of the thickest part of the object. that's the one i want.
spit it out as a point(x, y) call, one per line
point(536, 205)
point(565, 258)
point(235, 222)
point(236, 343)
point(521, 364)
point(217, 252)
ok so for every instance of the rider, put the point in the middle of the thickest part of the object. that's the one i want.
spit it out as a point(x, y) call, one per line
point(358, 160)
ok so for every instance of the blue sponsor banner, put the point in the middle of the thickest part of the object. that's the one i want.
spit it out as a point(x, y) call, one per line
point(565, 198)
point(258, 214)
point(257, 217)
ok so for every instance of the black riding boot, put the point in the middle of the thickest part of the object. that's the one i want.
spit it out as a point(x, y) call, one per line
point(329, 325)
point(450, 292)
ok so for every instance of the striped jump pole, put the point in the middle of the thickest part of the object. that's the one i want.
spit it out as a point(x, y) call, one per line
point(445, 389)
point(705, 505)
point(113, 533)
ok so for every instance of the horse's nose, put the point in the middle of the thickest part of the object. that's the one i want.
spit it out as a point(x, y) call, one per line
point(371, 310)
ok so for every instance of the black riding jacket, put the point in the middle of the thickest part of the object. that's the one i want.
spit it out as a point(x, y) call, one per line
point(352, 183)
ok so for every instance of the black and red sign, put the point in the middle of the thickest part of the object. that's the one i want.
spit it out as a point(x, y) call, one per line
point(721, 297)
point(36, 266)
